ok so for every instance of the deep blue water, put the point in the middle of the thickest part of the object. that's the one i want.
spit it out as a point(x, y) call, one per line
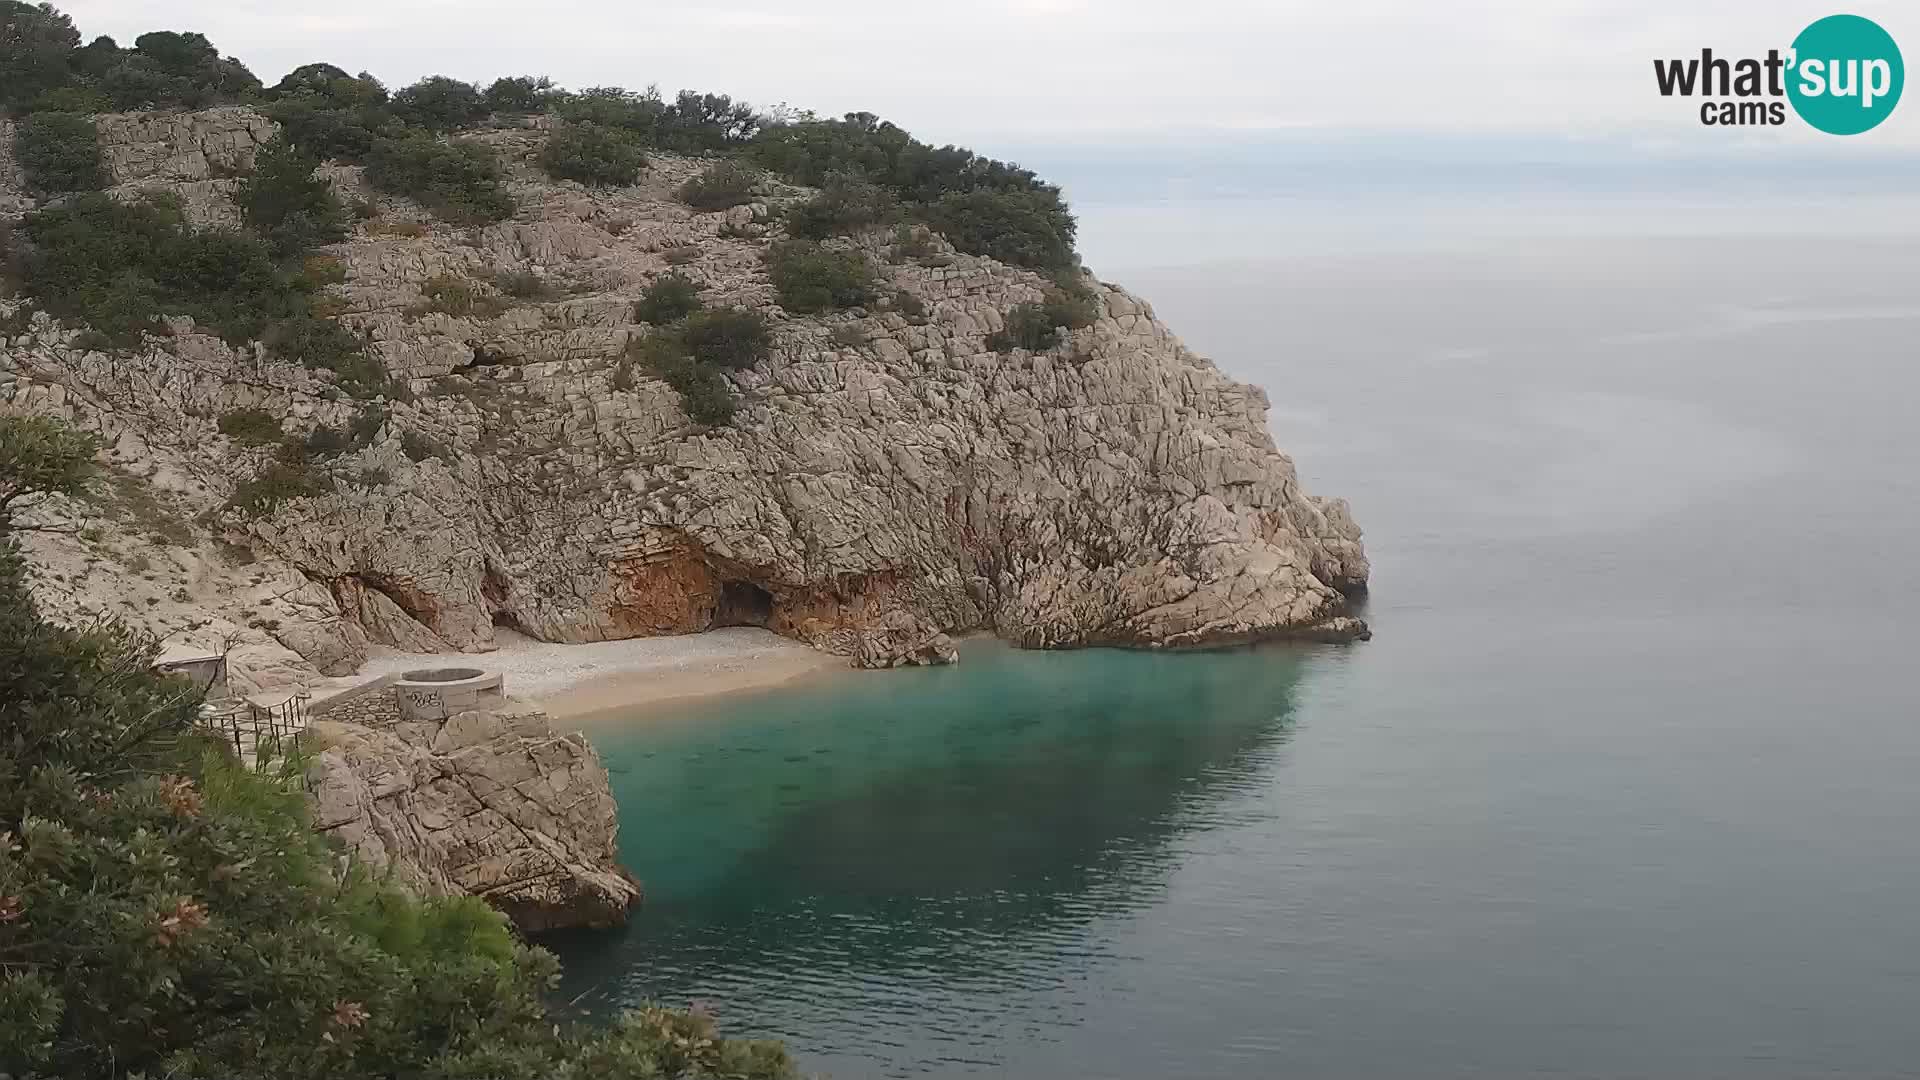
point(1624, 786)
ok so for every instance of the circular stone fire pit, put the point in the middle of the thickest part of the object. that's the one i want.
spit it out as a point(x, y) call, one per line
point(437, 693)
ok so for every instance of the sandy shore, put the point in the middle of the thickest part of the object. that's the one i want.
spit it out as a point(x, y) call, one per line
point(618, 679)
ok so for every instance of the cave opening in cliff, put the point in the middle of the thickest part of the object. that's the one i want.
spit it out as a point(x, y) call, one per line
point(742, 603)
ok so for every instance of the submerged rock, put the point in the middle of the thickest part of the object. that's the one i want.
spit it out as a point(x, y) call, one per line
point(498, 807)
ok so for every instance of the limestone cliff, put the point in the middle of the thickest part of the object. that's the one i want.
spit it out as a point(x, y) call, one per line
point(888, 478)
point(498, 807)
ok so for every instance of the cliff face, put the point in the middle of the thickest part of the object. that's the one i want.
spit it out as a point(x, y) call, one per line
point(886, 480)
point(498, 807)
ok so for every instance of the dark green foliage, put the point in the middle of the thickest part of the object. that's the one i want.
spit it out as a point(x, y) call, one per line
point(949, 187)
point(59, 152)
point(669, 298)
point(119, 266)
point(345, 134)
point(280, 481)
point(250, 427)
point(287, 204)
point(594, 155)
point(847, 204)
point(1025, 228)
point(40, 456)
point(810, 278)
point(724, 184)
point(704, 391)
point(324, 84)
point(36, 51)
point(1038, 327)
point(174, 70)
point(519, 94)
point(85, 100)
point(325, 345)
point(728, 338)
point(439, 103)
point(692, 123)
point(459, 181)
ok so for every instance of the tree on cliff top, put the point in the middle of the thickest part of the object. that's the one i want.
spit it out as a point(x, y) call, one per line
point(165, 911)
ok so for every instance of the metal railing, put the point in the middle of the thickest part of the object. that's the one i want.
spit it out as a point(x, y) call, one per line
point(256, 732)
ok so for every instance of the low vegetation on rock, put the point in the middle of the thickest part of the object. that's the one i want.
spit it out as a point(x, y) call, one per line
point(810, 278)
point(594, 155)
point(166, 911)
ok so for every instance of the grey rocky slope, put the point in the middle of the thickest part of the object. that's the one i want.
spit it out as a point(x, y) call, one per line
point(887, 479)
point(498, 807)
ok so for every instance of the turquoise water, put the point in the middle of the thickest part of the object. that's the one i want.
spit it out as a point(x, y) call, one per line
point(1624, 786)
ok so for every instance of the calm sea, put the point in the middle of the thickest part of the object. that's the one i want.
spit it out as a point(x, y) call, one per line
point(1626, 785)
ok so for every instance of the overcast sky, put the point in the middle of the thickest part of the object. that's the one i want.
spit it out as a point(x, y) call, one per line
point(1018, 72)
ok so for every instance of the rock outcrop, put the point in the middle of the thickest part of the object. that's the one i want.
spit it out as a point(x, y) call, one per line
point(887, 480)
point(498, 807)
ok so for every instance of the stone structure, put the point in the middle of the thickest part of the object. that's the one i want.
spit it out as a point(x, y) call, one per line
point(439, 693)
point(887, 480)
point(494, 806)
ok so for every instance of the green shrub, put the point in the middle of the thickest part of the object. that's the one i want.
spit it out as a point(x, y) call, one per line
point(84, 100)
point(119, 266)
point(287, 204)
point(690, 124)
point(518, 94)
point(325, 345)
point(59, 152)
point(250, 427)
point(459, 181)
point(280, 481)
point(1037, 327)
point(1017, 227)
point(705, 393)
point(37, 47)
point(669, 298)
point(594, 155)
point(986, 207)
point(810, 278)
point(366, 426)
point(847, 204)
point(724, 184)
point(330, 131)
point(439, 103)
point(728, 338)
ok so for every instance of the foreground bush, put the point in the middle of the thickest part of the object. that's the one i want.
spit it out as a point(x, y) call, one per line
point(725, 184)
point(847, 204)
point(729, 338)
point(458, 181)
point(1017, 227)
point(811, 279)
point(165, 912)
point(287, 204)
point(1039, 327)
point(59, 152)
point(669, 298)
point(594, 155)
